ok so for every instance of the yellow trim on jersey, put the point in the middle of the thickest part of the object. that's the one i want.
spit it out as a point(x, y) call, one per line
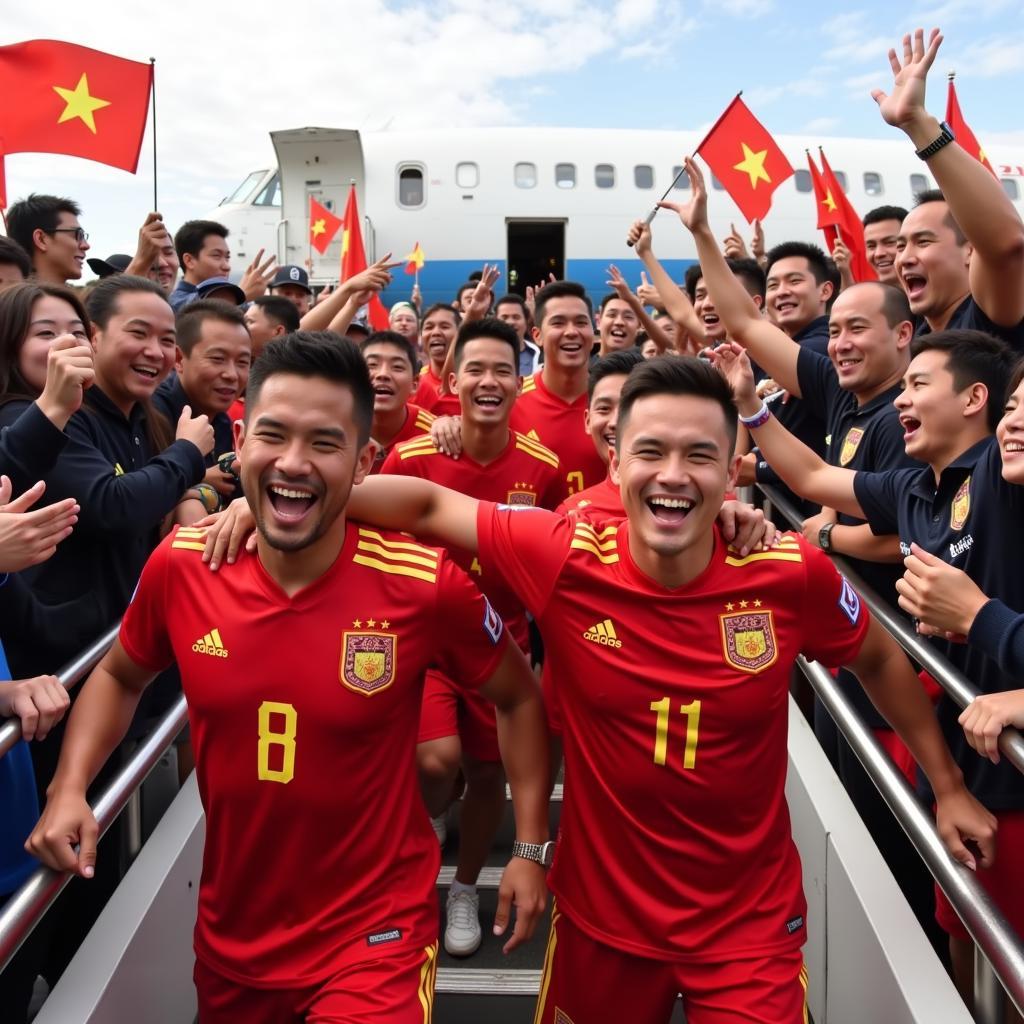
point(766, 556)
point(549, 958)
point(188, 545)
point(537, 450)
point(804, 981)
point(410, 449)
point(428, 979)
point(398, 545)
point(395, 570)
point(424, 419)
point(397, 556)
point(607, 539)
point(191, 531)
point(582, 545)
point(529, 384)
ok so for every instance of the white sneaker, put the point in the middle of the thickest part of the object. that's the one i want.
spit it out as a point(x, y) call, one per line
point(440, 827)
point(462, 933)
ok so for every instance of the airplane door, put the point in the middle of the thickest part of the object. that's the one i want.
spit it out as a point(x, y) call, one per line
point(536, 248)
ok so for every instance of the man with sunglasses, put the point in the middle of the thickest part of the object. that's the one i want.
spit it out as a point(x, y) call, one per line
point(47, 228)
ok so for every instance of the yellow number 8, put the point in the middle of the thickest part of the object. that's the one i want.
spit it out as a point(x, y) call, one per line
point(285, 739)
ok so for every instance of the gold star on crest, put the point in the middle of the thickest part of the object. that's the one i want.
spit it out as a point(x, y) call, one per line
point(371, 623)
point(80, 104)
point(743, 604)
point(384, 624)
point(729, 606)
point(319, 228)
point(757, 604)
point(752, 165)
point(828, 202)
point(357, 623)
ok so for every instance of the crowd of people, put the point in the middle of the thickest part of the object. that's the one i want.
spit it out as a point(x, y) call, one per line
point(355, 550)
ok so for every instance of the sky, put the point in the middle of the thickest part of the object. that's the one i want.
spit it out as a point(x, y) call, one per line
point(228, 75)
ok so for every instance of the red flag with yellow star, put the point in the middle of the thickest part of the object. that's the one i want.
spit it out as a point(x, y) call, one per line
point(417, 258)
point(849, 225)
point(745, 159)
point(323, 226)
point(962, 131)
point(64, 98)
point(353, 259)
point(828, 208)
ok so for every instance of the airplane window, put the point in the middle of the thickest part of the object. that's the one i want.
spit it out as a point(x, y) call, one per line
point(918, 183)
point(643, 176)
point(526, 175)
point(467, 175)
point(410, 186)
point(802, 179)
point(604, 176)
point(680, 179)
point(1010, 187)
point(565, 175)
point(873, 183)
point(271, 194)
point(242, 192)
point(841, 178)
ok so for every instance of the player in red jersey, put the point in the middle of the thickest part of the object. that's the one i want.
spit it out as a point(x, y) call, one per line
point(440, 325)
point(457, 726)
point(676, 870)
point(391, 360)
point(302, 666)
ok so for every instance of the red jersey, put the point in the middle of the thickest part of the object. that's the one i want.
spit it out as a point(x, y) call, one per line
point(428, 395)
point(417, 422)
point(675, 837)
point(600, 502)
point(526, 473)
point(304, 714)
point(559, 425)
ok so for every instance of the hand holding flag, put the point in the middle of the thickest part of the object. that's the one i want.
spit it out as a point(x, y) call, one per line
point(693, 214)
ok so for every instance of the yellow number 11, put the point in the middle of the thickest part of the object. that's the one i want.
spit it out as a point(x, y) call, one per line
point(663, 708)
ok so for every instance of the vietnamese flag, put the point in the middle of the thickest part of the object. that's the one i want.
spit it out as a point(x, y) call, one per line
point(745, 159)
point(64, 98)
point(323, 226)
point(964, 136)
point(416, 260)
point(353, 259)
point(851, 229)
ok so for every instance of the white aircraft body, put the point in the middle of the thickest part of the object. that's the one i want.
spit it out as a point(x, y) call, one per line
point(533, 200)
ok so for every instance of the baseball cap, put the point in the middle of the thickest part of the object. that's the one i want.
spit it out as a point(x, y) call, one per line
point(290, 274)
point(116, 264)
point(213, 284)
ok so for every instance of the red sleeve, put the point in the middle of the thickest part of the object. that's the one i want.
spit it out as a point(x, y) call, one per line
point(393, 465)
point(143, 632)
point(526, 546)
point(836, 620)
point(474, 633)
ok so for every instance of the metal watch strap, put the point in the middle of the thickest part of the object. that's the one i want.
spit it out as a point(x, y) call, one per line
point(946, 136)
point(530, 851)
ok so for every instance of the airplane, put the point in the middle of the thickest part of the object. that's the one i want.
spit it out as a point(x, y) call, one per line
point(534, 201)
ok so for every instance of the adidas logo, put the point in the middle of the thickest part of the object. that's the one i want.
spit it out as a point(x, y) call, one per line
point(604, 634)
point(211, 644)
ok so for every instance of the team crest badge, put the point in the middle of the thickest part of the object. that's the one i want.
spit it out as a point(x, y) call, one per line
point(850, 443)
point(961, 506)
point(521, 497)
point(368, 661)
point(748, 641)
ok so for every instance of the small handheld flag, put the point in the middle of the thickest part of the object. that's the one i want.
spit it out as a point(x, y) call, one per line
point(323, 226)
point(416, 260)
point(964, 136)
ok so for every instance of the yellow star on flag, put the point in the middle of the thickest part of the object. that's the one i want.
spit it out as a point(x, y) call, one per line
point(80, 104)
point(828, 202)
point(319, 227)
point(752, 164)
point(981, 154)
point(344, 243)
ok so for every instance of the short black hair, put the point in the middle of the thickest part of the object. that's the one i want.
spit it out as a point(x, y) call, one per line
point(895, 304)
point(37, 212)
point(279, 309)
point(104, 296)
point(395, 340)
point(749, 271)
point(690, 279)
point(316, 354)
point(678, 375)
point(462, 287)
point(880, 213)
point(512, 299)
point(441, 307)
point(488, 327)
point(615, 363)
point(815, 256)
point(189, 238)
point(559, 290)
point(1016, 376)
point(973, 357)
point(190, 319)
point(608, 298)
point(934, 195)
point(12, 253)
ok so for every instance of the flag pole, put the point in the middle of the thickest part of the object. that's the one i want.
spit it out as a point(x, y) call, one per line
point(682, 170)
point(152, 93)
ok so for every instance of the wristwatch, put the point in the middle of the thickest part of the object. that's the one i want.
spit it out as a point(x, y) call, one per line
point(825, 538)
point(946, 136)
point(540, 853)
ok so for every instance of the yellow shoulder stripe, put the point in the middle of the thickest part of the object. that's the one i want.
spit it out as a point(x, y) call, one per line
point(529, 384)
point(410, 451)
point(396, 556)
point(396, 570)
point(766, 556)
point(424, 419)
point(606, 540)
point(395, 546)
point(607, 557)
point(188, 545)
point(536, 449)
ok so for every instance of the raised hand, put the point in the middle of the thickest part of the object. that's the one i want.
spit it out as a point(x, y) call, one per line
point(757, 241)
point(733, 245)
point(640, 237)
point(195, 429)
point(693, 214)
point(375, 278)
point(28, 538)
point(258, 276)
point(69, 371)
point(480, 300)
point(647, 293)
point(905, 104)
point(152, 236)
point(732, 361)
point(618, 284)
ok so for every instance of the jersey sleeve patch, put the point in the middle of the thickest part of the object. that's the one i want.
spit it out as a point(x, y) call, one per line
point(492, 622)
point(849, 602)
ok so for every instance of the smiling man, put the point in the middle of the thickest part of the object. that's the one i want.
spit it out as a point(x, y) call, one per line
point(47, 228)
point(440, 325)
point(350, 932)
point(617, 325)
point(675, 869)
point(881, 240)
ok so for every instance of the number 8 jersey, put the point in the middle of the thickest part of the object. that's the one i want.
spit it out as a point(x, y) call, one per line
point(675, 838)
point(304, 714)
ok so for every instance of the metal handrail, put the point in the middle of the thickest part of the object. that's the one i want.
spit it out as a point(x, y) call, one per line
point(24, 909)
point(950, 678)
point(69, 676)
point(995, 937)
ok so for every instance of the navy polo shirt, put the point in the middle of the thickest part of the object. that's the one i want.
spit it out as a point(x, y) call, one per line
point(859, 437)
point(184, 293)
point(972, 521)
point(170, 399)
point(970, 316)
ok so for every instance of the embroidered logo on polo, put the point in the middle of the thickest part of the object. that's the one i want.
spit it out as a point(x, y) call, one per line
point(850, 444)
point(961, 508)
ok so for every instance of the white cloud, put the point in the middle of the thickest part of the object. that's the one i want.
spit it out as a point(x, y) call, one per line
point(820, 125)
point(763, 95)
point(742, 8)
point(988, 58)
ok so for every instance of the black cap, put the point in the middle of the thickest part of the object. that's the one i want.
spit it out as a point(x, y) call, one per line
point(216, 284)
point(116, 264)
point(289, 274)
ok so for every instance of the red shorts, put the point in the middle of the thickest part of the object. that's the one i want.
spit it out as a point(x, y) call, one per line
point(450, 710)
point(394, 989)
point(586, 981)
point(1001, 881)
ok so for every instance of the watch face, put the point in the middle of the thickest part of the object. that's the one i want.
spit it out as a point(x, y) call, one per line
point(547, 854)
